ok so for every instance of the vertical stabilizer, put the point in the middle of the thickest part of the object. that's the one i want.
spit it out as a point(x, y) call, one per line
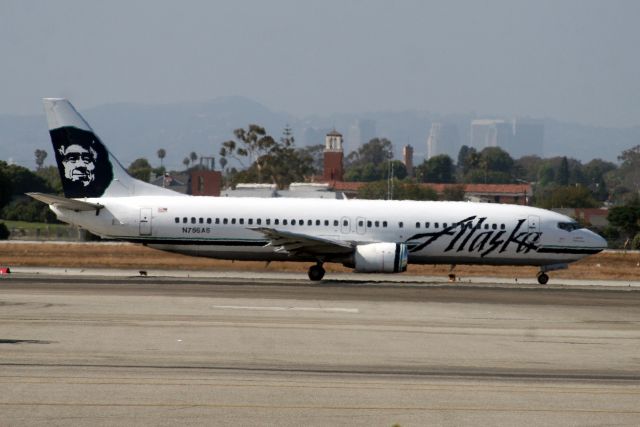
point(87, 168)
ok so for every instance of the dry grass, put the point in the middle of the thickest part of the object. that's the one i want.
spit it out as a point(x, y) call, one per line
point(620, 266)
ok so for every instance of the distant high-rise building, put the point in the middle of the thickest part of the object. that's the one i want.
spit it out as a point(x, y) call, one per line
point(407, 156)
point(360, 132)
point(443, 139)
point(491, 133)
point(528, 138)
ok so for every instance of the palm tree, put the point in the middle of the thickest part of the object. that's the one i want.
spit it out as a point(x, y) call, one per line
point(186, 162)
point(193, 157)
point(162, 153)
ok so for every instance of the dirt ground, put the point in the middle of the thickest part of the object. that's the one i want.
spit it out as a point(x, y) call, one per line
point(619, 266)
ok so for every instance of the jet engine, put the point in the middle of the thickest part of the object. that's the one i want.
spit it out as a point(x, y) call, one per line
point(381, 258)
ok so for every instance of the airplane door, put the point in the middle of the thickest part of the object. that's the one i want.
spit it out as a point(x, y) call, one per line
point(145, 221)
point(361, 224)
point(345, 225)
point(534, 224)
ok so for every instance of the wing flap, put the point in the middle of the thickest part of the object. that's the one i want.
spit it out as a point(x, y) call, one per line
point(64, 203)
point(300, 243)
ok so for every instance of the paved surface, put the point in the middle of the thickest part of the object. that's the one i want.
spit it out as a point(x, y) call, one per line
point(78, 350)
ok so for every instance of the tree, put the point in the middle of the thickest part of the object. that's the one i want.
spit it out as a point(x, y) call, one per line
point(563, 172)
point(162, 153)
point(369, 172)
point(626, 217)
point(41, 155)
point(140, 169)
point(468, 159)
point(493, 165)
point(438, 169)
point(376, 151)
point(186, 162)
point(402, 190)
point(193, 157)
point(253, 143)
point(572, 196)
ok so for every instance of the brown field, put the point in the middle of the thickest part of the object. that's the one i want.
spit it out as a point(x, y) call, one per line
point(618, 266)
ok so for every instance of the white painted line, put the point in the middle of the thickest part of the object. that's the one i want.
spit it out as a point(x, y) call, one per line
point(275, 308)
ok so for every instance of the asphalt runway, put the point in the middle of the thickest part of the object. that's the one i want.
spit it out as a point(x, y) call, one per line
point(100, 350)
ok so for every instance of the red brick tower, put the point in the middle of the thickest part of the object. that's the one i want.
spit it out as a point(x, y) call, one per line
point(333, 156)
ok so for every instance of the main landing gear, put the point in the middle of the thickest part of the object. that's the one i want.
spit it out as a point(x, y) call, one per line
point(543, 278)
point(316, 272)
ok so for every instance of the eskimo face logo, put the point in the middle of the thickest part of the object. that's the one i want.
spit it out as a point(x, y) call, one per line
point(83, 162)
point(79, 163)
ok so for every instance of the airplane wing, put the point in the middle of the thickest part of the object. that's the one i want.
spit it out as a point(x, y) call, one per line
point(63, 202)
point(299, 243)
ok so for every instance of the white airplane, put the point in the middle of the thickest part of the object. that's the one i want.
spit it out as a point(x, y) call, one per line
point(370, 236)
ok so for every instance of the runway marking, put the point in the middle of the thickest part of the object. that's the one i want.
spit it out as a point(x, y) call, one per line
point(279, 308)
point(325, 407)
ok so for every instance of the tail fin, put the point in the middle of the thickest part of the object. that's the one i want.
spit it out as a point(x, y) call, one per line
point(87, 168)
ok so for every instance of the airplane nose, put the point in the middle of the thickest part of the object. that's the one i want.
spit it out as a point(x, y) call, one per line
point(596, 241)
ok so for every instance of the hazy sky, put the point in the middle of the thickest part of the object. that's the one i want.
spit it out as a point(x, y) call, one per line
point(571, 60)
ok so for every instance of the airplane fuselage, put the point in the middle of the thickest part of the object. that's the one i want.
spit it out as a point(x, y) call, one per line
point(434, 232)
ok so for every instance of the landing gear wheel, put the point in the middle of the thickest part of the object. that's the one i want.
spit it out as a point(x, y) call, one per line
point(543, 278)
point(316, 272)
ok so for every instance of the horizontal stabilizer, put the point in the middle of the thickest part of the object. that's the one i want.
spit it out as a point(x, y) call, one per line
point(64, 203)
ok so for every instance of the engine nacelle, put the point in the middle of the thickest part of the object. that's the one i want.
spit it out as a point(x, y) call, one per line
point(381, 258)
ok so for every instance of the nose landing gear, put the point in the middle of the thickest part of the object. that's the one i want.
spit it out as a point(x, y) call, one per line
point(543, 277)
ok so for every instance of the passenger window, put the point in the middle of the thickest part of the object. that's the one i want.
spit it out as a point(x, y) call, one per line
point(184, 220)
point(503, 227)
point(268, 221)
point(293, 222)
point(326, 222)
point(444, 225)
point(208, 220)
point(426, 225)
point(217, 220)
point(225, 221)
point(241, 220)
point(259, 221)
point(377, 224)
point(284, 222)
point(335, 223)
point(310, 222)
point(360, 223)
point(384, 224)
point(494, 226)
point(486, 226)
point(345, 222)
point(436, 225)
point(201, 221)
point(250, 221)
point(177, 220)
point(301, 222)
point(193, 220)
point(276, 221)
point(401, 224)
point(417, 225)
point(369, 224)
point(318, 222)
point(233, 220)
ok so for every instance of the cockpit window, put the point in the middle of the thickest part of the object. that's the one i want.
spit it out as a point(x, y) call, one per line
point(569, 226)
